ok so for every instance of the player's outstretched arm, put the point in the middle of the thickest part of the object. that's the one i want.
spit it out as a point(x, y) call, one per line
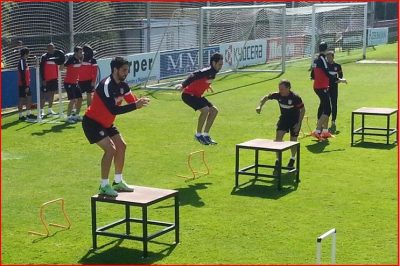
point(261, 104)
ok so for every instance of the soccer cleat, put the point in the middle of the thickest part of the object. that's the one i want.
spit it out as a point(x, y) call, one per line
point(70, 120)
point(31, 116)
point(22, 118)
point(201, 139)
point(51, 112)
point(332, 129)
point(291, 163)
point(107, 190)
point(122, 187)
point(77, 118)
point(210, 140)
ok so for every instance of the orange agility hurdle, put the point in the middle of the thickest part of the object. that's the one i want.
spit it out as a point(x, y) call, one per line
point(42, 219)
point(196, 174)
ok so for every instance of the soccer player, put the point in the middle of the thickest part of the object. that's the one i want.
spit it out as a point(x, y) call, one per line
point(292, 113)
point(49, 76)
point(321, 76)
point(335, 69)
point(88, 73)
point(99, 128)
point(193, 89)
point(74, 94)
point(24, 82)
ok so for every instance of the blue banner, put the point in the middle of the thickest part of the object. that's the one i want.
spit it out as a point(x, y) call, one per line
point(184, 61)
point(9, 87)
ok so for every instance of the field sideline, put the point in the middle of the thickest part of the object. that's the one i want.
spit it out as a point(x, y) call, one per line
point(354, 189)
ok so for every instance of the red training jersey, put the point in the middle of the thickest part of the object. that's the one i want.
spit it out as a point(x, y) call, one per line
point(320, 73)
point(48, 67)
point(88, 70)
point(72, 65)
point(107, 99)
point(199, 81)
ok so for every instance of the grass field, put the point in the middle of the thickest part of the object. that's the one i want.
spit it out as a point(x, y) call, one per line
point(352, 189)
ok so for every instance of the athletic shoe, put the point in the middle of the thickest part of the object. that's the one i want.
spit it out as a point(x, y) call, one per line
point(326, 135)
point(201, 139)
point(22, 118)
point(77, 118)
point(70, 120)
point(332, 129)
point(107, 190)
point(210, 140)
point(121, 187)
point(31, 116)
point(51, 112)
point(316, 135)
point(291, 163)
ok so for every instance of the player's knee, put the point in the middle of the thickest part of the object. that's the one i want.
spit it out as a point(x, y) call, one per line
point(205, 110)
point(110, 150)
point(213, 110)
point(121, 147)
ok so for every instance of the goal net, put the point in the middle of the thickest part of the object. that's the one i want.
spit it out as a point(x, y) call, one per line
point(242, 34)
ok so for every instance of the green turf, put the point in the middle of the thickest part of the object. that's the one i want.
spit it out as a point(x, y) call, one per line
point(353, 189)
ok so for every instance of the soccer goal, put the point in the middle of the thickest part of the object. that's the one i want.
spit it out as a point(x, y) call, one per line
point(343, 26)
point(240, 33)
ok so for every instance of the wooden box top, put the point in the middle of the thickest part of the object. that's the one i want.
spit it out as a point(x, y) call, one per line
point(375, 111)
point(268, 144)
point(140, 196)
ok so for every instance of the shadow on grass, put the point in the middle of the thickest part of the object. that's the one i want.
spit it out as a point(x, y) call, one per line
point(10, 124)
point(189, 196)
point(122, 255)
point(319, 147)
point(251, 189)
point(375, 145)
point(58, 128)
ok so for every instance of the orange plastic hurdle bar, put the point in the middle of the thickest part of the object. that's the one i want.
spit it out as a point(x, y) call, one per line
point(42, 219)
point(196, 174)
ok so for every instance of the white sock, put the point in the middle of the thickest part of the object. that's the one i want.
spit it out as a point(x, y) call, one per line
point(104, 182)
point(198, 134)
point(324, 130)
point(42, 111)
point(293, 157)
point(118, 178)
point(317, 131)
point(205, 134)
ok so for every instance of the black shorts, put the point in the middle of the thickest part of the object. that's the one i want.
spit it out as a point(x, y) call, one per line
point(195, 102)
point(22, 93)
point(287, 124)
point(95, 132)
point(73, 91)
point(51, 85)
point(86, 86)
point(324, 101)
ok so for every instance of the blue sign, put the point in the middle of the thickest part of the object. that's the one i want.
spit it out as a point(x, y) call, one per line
point(9, 87)
point(183, 61)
